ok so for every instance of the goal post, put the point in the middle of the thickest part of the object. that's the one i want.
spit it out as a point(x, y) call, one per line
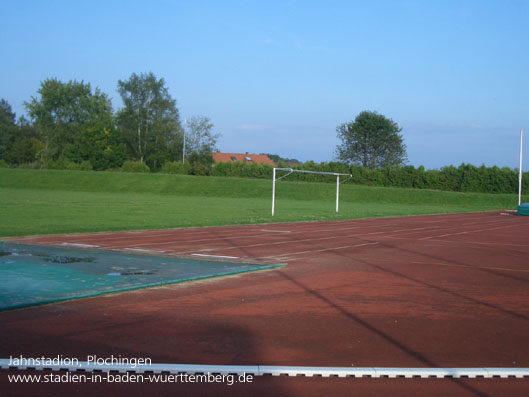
point(291, 170)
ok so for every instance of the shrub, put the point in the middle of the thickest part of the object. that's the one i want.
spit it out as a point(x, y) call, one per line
point(199, 169)
point(134, 166)
point(220, 169)
point(3, 163)
point(71, 166)
point(86, 166)
point(60, 164)
point(36, 165)
point(175, 167)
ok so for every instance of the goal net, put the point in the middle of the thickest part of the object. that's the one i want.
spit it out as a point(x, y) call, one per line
point(291, 170)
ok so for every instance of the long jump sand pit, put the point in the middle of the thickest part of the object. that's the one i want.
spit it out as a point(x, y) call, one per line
point(445, 291)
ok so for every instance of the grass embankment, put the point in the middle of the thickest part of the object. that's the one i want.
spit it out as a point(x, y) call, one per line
point(46, 201)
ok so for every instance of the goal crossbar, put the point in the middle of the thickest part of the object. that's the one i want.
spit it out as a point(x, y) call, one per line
point(291, 170)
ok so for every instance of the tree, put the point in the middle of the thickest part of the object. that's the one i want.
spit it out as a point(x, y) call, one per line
point(277, 159)
point(200, 142)
point(149, 122)
point(19, 140)
point(199, 137)
point(371, 140)
point(101, 145)
point(24, 150)
point(64, 111)
point(27, 144)
point(7, 128)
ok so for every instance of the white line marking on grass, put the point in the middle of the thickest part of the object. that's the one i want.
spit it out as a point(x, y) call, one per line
point(81, 245)
point(216, 256)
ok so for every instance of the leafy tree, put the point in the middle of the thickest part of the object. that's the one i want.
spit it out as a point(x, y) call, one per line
point(149, 122)
point(28, 144)
point(7, 128)
point(371, 140)
point(277, 158)
point(24, 150)
point(64, 111)
point(19, 141)
point(200, 142)
point(199, 136)
point(101, 146)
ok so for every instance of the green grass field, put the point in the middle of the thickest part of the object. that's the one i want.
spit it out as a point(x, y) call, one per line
point(46, 201)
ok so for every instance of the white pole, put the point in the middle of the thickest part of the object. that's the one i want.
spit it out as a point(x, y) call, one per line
point(337, 191)
point(184, 149)
point(520, 176)
point(273, 190)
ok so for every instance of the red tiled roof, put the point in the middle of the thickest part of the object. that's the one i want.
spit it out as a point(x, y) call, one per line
point(243, 157)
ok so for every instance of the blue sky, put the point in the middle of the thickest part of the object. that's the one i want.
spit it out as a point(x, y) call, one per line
point(280, 76)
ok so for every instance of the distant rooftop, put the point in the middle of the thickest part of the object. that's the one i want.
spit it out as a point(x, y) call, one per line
point(242, 157)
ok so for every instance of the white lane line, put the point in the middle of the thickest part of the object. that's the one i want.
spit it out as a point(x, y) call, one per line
point(216, 256)
point(470, 231)
point(319, 250)
point(80, 245)
point(462, 242)
point(484, 223)
point(228, 237)
point(126, 235)
point(406, 231)
point(472, 267)
point(277, 243)
point(189, 233)
point(275, 231)
point(298, 241)
point(142, 250)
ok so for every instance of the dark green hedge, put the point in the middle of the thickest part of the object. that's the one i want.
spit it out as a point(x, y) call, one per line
point(465, 178)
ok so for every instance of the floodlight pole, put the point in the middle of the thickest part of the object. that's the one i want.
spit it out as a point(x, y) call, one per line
point(520, 175)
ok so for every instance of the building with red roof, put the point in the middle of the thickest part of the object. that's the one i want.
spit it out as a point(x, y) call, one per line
point(242, 157)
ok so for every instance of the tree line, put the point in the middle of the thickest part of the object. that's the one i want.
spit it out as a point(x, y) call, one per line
point(465, 178)
point(73, 126)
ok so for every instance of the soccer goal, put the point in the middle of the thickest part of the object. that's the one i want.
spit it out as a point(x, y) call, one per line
point(291, 170)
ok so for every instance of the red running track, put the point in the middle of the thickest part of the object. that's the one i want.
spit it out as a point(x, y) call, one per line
point(424, 291)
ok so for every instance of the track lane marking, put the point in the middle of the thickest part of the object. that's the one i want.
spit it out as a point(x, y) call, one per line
point(289, 241)
point(143, 250)
point(215, 256)
point(80, 245)
point(318, 250)
point(216, 238)
point(472, 267)
point(469, 231)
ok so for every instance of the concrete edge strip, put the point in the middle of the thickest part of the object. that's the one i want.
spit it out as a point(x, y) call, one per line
point(262, 370)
